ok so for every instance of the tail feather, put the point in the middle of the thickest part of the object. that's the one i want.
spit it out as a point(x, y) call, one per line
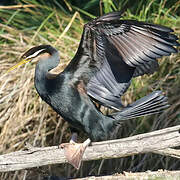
point(150, 104)
point(155, 104)
point(157, 110)
point(153, 109)
point(153, 97)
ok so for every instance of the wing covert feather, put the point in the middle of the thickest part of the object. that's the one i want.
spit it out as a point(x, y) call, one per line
point(119, 50)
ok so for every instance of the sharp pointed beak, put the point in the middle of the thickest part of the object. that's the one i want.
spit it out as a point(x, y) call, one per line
point(24, 61)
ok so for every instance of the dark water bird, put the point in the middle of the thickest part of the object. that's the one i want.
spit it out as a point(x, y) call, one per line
point(111, 52)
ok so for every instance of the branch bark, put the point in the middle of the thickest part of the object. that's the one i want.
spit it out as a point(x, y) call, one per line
point(169, 152)
point(170, 175)
point(157, 142)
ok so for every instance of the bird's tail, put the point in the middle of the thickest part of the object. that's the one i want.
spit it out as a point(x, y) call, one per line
point(150, 104)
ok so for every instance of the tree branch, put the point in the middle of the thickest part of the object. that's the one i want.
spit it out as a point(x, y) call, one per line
point(139, 175)
point(169, 152)
point(149, 142)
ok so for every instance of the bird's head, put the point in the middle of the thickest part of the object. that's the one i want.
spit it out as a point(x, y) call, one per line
point(31, 54)
point(41, 50)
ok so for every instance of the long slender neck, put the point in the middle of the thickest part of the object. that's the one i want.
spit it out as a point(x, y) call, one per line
point(44, 65)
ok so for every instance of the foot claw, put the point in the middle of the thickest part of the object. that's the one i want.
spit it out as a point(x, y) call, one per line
point(74, 152)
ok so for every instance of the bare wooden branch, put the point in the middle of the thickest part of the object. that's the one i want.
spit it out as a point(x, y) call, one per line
point(166, 175)
point(169, 152)
point(148, 142)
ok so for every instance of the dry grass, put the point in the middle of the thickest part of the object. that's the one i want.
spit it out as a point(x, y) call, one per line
point(25, 118)
point(22, 111)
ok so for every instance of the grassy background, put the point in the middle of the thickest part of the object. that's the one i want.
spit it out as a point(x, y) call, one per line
point(24, 118)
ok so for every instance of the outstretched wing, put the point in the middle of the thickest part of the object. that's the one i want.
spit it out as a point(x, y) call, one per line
point(118, 50)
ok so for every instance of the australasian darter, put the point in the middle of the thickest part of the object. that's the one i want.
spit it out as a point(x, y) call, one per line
point(111, 52)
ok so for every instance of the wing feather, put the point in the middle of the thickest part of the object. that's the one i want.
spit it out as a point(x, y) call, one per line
point(117, 50)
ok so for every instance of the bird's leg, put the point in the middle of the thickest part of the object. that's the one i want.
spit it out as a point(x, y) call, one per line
point(74, 151)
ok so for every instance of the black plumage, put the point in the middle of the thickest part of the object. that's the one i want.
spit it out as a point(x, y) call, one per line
point(111, 52)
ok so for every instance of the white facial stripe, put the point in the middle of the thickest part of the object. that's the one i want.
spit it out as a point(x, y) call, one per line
point(35, 54)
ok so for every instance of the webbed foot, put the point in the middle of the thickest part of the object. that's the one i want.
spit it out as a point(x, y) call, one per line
point(74, 151)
